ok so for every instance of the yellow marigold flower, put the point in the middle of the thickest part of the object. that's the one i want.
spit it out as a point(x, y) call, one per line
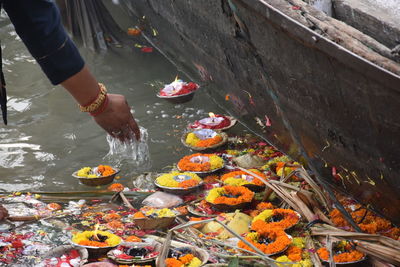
point(169, 180)
point(263, 216)
point(192, 139)
point(303, 263)
point(84, 172)
point(253, 236)
point(299, 242)
point(112, 240)
point(216, 162)
point(214, 193)
point(195, 262)
point(161, 212)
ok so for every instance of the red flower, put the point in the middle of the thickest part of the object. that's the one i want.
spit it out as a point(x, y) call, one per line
point(147, 49)
point(17, 244)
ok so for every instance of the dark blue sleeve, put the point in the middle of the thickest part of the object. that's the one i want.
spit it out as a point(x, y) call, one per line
point(38, 23)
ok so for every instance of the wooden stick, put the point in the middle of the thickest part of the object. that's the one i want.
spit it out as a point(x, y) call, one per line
point(125, 200)
point(25, 218)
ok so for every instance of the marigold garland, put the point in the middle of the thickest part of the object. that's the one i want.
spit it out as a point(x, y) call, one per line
point(367, 221)
point(236, 178)
point(288, 219)
point(193, 140)
point(214, 163)
point(278, 241)
point(169, 180)
point(230, 195)
point(348, 256)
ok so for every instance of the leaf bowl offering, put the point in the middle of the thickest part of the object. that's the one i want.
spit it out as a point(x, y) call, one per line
point(97, 243)
point(154, 219)
point(201, 164)
point(135, 252)
point(344, 252)
point(215, 122)
point(178, 99)
point(100, 175)
point(204, 139)
point(179, 183)
point(178, 91)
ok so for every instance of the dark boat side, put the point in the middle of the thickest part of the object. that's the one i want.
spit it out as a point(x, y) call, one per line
point(310, 97)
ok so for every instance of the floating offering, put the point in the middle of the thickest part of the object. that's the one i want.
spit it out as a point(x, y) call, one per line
point(178, 91)
point(343, 252)
point(201, 163)
point(100, 175)
point(178, 182)
point(215, 122)
point(150, 219)
point(96, 239)
point(204, 139)
point(281, 218)
point(244, 179)
point(271, 242)
point(182, 257)
point(139, 252)
point(230, 198)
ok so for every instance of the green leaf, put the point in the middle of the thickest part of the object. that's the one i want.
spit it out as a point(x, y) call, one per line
point(234, 262)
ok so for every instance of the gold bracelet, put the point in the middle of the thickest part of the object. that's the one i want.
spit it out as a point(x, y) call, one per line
point(97, 102)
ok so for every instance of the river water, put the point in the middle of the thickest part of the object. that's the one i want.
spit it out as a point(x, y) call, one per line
point(48, 138)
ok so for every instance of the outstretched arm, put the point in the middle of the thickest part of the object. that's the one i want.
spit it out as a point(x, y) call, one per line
point(38, 23)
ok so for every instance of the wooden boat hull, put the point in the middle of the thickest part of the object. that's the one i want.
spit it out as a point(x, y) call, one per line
point(308, 96)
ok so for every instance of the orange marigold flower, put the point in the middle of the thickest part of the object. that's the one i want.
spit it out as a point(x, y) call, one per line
point(134, 31)
point(209, 142)
point(186, 259)
point(133, 238)
point(241, 193)
point(294, 253)
point(111, 217)
point(115, 225)
point(279, 241)
point(288, 219)
point(54, 206)
point(188, 183)
point(264, 206)
point(172, 262)
point(349, 256)
point(93, 243)
point(117, 187)
point(138, 215)
point(105, 170)
point(186, 164)
point(182, 210)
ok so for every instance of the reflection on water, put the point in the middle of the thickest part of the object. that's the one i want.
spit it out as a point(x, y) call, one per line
point(47, 138)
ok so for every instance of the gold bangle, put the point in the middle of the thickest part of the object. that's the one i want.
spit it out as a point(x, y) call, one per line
point(97, 102)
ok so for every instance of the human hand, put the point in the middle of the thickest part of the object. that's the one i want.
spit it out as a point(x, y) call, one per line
point(117, 119)
point(3, 213)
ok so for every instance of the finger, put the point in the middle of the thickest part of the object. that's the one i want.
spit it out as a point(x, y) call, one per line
point(134, 128)
point(126, 133)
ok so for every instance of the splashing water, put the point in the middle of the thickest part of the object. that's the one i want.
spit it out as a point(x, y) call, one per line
point(134, 153)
